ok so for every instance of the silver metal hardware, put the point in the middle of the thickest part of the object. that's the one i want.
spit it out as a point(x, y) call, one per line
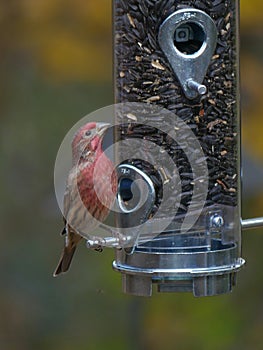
point(110, 242)
point(252, 223)
point(216, 221)
point(188, 38)
point(136, 193)
point(200, 88)
point(204, 273)
point(135, 200)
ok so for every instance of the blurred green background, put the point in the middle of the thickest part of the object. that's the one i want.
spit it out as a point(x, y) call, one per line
point(55, 65)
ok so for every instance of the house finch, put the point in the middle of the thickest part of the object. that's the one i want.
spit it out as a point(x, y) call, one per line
point(90, 192)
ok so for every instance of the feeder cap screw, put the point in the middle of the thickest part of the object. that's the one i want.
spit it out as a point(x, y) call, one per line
point(217, 221)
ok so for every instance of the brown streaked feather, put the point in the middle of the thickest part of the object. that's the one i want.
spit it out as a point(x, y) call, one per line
point(65, 261)
point(72, 239)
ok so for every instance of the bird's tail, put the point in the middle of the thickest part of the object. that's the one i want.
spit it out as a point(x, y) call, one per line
point(65, 260)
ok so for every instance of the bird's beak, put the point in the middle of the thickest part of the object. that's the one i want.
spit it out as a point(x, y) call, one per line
point(101, 128)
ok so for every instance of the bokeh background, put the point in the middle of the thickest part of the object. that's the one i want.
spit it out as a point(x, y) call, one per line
point(55, 66)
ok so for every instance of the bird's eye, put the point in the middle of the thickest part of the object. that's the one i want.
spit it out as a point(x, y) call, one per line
point(88, 133)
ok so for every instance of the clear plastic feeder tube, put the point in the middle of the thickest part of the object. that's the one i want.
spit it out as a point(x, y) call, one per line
point(178, 117)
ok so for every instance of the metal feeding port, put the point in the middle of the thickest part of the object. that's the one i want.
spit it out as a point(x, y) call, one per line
point(178, 120)
point(133, 182)
point(188, 40)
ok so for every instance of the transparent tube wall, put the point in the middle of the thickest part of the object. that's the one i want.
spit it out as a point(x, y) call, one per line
point(144, 73)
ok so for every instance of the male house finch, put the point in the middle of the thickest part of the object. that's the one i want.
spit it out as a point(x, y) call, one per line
point(90, 192)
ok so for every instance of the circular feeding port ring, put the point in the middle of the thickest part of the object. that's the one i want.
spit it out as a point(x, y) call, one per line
point(128, 195)
point(135, 189)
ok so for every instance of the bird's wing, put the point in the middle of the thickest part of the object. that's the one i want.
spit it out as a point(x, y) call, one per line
point(67, 201)
point(70, 187)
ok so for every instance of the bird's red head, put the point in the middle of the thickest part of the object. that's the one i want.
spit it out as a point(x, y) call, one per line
point(88, 137)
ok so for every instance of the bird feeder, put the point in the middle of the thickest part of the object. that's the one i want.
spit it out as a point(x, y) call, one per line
point(178, 124)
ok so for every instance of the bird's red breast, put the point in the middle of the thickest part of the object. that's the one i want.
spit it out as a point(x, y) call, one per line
point(97, 185)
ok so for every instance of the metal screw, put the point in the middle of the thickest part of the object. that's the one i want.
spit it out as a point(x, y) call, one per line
point(216, 221)
point(193, 85)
